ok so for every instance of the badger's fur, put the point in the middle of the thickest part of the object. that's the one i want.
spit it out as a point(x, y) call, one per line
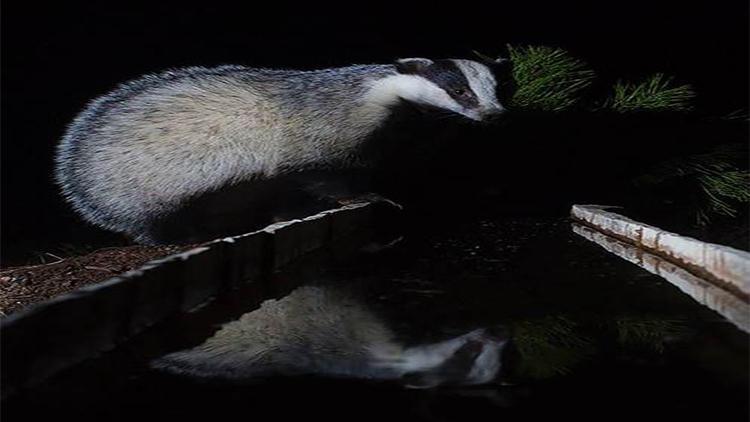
point(320, 330)
point(140, 152)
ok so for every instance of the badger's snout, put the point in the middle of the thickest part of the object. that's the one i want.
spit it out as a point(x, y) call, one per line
point(471, 359)
point(492, 114)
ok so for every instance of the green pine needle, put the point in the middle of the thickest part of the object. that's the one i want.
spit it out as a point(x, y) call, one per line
point(723, 185)
point(657, 93)
point(547, 79)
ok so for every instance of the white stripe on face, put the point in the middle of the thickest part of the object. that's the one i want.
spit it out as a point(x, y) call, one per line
point(413, 88)
point(482, 82)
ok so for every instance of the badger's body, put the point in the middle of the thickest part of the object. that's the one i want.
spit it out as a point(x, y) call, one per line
point(329, 332)
point(139, 153)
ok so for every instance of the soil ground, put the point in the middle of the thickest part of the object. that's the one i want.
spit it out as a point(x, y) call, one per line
point(26, 285)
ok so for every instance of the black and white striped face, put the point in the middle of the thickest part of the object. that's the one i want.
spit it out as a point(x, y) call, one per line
point(465, 87)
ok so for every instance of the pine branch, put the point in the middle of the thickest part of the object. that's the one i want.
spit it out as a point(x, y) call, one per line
point(722, 184)
point(547, 79)
point(657, 93)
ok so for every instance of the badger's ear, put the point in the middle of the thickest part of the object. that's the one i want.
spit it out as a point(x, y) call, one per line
point(412, 65)
point(489, 61)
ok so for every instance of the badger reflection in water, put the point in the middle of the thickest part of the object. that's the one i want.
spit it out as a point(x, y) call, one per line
point(327, 332)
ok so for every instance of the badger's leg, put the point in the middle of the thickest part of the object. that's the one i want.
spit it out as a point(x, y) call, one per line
point(370, 198)
point(341, 187)
point(252, 205)
point(332, 185)
point(231, 211)
point(146, 237)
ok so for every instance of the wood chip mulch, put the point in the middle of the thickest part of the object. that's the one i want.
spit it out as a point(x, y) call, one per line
point(23, 286)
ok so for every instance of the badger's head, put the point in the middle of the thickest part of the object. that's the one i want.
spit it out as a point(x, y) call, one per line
point(465, 87)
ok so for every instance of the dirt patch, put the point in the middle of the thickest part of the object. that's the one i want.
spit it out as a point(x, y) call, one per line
point(23, 286)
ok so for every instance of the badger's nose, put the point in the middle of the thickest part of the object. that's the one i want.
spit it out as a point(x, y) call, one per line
point(493, 113)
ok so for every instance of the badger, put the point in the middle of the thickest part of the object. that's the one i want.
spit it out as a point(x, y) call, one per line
point(137, 155)
point(327, 331)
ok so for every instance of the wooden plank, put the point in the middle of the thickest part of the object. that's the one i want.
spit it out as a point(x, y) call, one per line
point(725, 266)
point(729, 305)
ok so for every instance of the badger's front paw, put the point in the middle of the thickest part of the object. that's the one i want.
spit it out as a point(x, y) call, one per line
point(369, 198)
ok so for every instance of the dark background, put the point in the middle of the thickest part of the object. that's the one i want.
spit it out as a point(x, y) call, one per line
point(55, 57)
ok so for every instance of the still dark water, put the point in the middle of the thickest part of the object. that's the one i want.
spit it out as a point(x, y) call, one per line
point(579, 333)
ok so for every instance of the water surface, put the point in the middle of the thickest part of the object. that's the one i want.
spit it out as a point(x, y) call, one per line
point(579, 333)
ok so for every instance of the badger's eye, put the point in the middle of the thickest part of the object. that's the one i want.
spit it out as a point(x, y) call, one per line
point(460, 91)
